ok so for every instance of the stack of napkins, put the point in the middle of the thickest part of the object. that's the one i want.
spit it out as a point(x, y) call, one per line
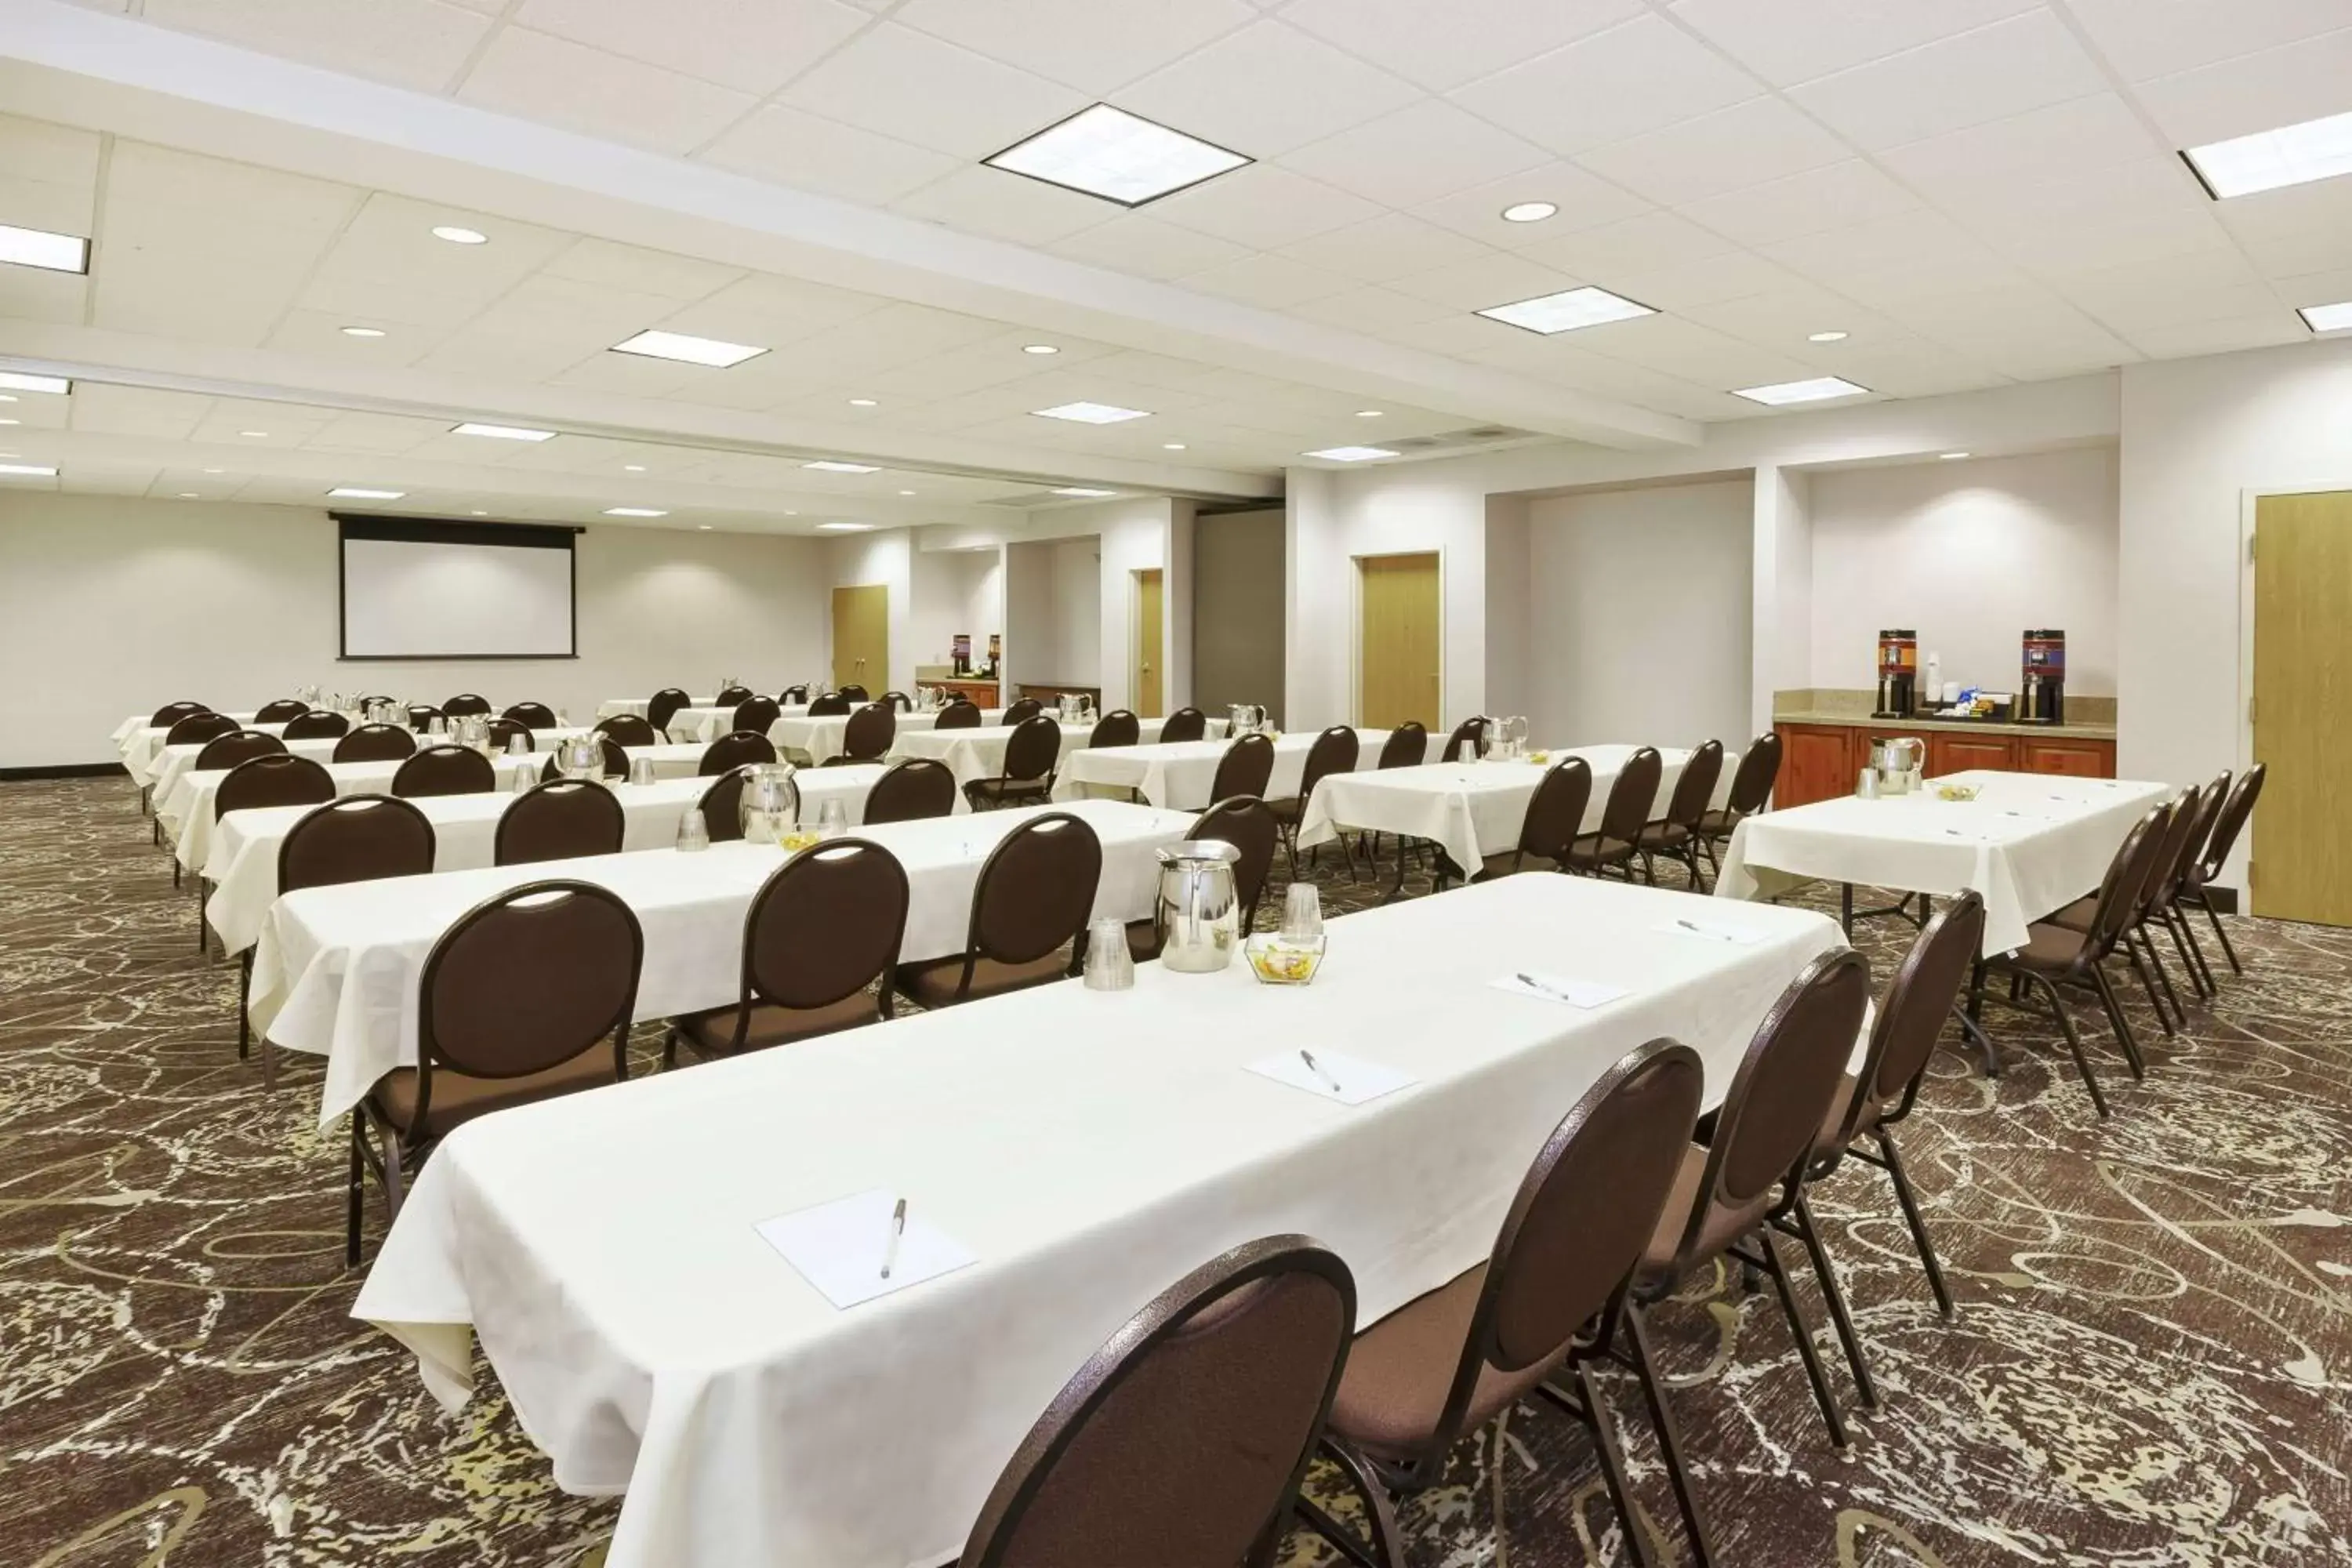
point(840, 1248)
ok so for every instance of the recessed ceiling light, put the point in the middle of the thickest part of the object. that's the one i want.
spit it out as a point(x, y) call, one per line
point(846, 527)
point(1039, 349)
point(1567, 311)
point(1369, 412)
point(688, 350)
point(2327, 318)
point(456, 235)
point(633, 512)
point(29, 470)
point(17, 381)
point(2290, 155)
point(828, 466)
point(792, 514)
point(1352, 453)
point(704, 526)
point(861, 403)
point(906, 492)
point(1083, 490)
point(1825, 337)
point(1171, 446)
point(362, 332)
point(633, 467)
point(7, 397)
point(501, 432)
point(1121, 157)
point(188, 495)
point(1814, 391)
point(1952, 456)
point(255, 434)
point(353, 492)
point(216, 470)
point(478, 514)
point(11, 421)
point(1529, 212)
point(39, 247)
point(1091, 413)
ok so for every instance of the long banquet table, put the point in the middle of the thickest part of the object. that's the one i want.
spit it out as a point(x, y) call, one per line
point(170, 761)
point(1179, 773)
point(335, 969)
point(1090, 1147)
point(187, 814)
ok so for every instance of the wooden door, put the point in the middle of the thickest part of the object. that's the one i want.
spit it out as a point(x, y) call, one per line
point(1951, 753)
point(1148, 647)
point(861, 637)
point(2302, 866)
point(2070, 759)
point(1398, 672)
point(1816, 764)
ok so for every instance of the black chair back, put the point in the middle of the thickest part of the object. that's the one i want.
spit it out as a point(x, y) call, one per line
point(558, 821)
point(273, 779)
point(1184, 724)
point(317, 724)
point(355, 839)
point(629, 729)
point(728, 753)
point(375, 743)
point(1246, 768)
point(444, 769)
point(909, 789)
point(960, 714)
point(664, 705)
point(238, 746)
point(866, 737)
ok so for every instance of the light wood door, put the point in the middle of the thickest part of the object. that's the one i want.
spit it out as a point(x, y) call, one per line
point(1398, 673)
point(1148, 613)
point(2303, 689)
point(861, 637)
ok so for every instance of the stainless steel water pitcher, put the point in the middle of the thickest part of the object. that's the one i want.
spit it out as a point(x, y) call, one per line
point(1199, 912)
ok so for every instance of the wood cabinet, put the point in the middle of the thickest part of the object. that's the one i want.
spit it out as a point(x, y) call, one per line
point(2077, 759)
point(982, 692)
point(1816, 763)
point(1820, 762)
point(1951, 753)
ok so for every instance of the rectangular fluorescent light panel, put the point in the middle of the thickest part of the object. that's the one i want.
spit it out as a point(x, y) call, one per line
point(39, 247)
point(1564, 312)
point(2327, 318)
point(689, 351)
point(17, 381)
point(352, 492)
point(1352, 453)
point(1083, 490)
point(1109, 152)
point(1091, 413)
point(501, 432)
point(29, 470)
point(633, 512)
point(1814, 391)
point(2290, 155)
point(830, 467)
point(846, 527)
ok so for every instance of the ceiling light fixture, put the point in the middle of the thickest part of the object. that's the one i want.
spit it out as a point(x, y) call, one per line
point(188, 495)
point(1952, 457)
point(2290, 155)
point(829, 465)
point(11, 421)
point(254, 435)
point(861, 403)
point(456, 236)
point(501, 432)
point(704, 526)
point(1087, 492)
point(1121, 157)
point(18, 380)
point(28, 471)
point(1369, 412)
point(7, 397)
point(713, 352)
point(1529, 212)
point(633, 512)
point(1039, 349)
point(216, 470)
point(478, 514)
point(846, 527)
point(1091, 413)
point(633, 467)
point(362, 332)
point(1816, 390)
point(2327, 318)
point(1171, 446)
point(906, 492)
point(39, 247)
point(354, 492)
point(1567, 311)
point(1351, 453)
point(1825, 337)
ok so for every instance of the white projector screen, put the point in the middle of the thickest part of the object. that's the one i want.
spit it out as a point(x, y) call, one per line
point(432, 590)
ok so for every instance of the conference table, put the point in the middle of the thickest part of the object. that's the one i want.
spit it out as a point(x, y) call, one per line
point(1179, 773)
point(137, 741)
point(1087, 1149)
point(189, 821)
point(242, 863)
point(335, 969)
point(170, 761)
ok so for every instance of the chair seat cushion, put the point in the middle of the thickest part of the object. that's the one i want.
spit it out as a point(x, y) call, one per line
point(2075, 916)
point(1000, 790)
point(1401, 1368)
point(712, 1034)
point(457, 1098)
point(2049, 948)
point(1662, 835)
point(1723, 1226)
point(933, 985)
point(1717, 821)
point(1595, 850)
point(1286, 811)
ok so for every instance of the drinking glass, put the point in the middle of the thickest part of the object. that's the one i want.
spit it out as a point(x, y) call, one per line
point(641, 770)
point(831, 821)
point(1110, 965)
point(518, 745)
point(523, 779)
point(1302, 913)
point(693, 833)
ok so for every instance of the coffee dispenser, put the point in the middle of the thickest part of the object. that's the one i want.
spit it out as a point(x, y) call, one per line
point(2042, 688)
point(1898, 673)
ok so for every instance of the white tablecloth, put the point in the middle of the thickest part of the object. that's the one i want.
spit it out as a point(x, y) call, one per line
point(187, 813)
point(1178, 774)
point(2030, 844)
point(822, 738)
point(142, 743)
point(978, 753)
point(335, 970)
point(638, 706)
point(1090, 1147)
point(243, 861)
point(705, 723)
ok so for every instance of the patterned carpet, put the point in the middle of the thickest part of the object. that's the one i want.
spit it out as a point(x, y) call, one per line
point(2149, 1369)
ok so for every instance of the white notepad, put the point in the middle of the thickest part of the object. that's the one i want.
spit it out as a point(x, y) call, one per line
point(1560, 988)
point(1709, 931)
point(1358, 1079)
point(839, 1247)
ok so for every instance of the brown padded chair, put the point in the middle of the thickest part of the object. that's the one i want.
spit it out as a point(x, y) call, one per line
point(421, 714)
point(1335, 750)
point(1622, 817)
point(2168, 897)
point(1468, 737)
point(504, 731)
point(465, 705)
point(1677, 833)
point(2168, 865)
point(1028, 776)
point(271, 778)
point(960, 714)
point(829, 705)
point(2055, 955)
point(898, 701)
point(664, 705)
point(1035, 892)
point(616, 762)
point(741, 749)
point(531, 715)
point(1747, 1181)
point(866, 737)
point(558, 821)
point(793, 694)
point(1184, 724)
point(1021, 711)
point(1445, 1364)
point(910, 790)
point(284, 711)
point(819, 936)
point(527, 996)
point(2215, 854)
point(1245, 768)
point(1245, 823)
point(1406, 747)
point(855, 693)
point(317, 724)
point(238, 746)
point(1182, 1440)
point(1751, 788)
point(629, 729)
point(197, 728)
point(1554, 816)
point(731, 696)
point(722, 805)
point(375, 743)
point(1119, 727)
point(444, 769)
point(757, 714)
point(171, 713)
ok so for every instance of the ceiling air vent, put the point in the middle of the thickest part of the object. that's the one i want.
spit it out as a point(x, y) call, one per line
point(1458, 440)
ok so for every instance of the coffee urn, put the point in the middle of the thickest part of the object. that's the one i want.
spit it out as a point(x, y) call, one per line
point(2042, 694)
point(1898, 673)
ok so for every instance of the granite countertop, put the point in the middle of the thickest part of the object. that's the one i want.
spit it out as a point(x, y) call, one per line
point(1970, 726)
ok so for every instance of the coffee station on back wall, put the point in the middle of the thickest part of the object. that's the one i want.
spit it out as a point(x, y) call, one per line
point(2027, 723)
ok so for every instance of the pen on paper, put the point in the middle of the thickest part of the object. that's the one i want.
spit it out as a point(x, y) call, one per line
point(1702, 931)
point(1316, 1069)
point(1532, 983)
point(898, 1229)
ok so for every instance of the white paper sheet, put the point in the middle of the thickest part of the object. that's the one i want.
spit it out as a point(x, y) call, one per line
point(1560, 988)
point(1709, 929)
point(839, 1247)
point(1358, 1079)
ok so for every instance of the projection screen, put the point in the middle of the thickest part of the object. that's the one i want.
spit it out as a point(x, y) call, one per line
point(418, 589)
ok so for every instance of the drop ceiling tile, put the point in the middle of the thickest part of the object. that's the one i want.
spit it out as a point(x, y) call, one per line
point(1266, 90)
point(2057, 247)
point(2148, 38)
point(1263, 208)
point(1271, 282)
point(1414, 154)
point(1921, 238)
point(1838, 196)
point(752, 46)
point(386, 434)
point(319, 334)
point(1682, 286)
point(31, 294)
point(1387, 246)
point(1371, 309)
point(787, 147)
point(1462, 333)
point(2076, 137)
point(2289, 254)
point(1760, 140)
point(2026, 62)
point(2133, 311)
point(48, 176)
point(1638, 77)
point(2229, 335)
point(418, 44)
point(898, 82)
point(1643, 244)
point(632, 375)
point(1095, 45)
point(1497, 277)
point(1690, 351)
point(571, 85)
point(1785, 318)
point(1791, 41)
point(100, 408)
point(2259, 92)
point(638, 271)
point(771, 312)
point(1147, 248)
point(1441, 47)
point(1585, 200)
point(977, 199)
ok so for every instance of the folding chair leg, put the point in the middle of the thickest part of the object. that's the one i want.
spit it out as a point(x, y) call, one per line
point(1670, 1438)
point(244, 1004)
point(1385, 1548)
point(2227, 951)
point(1891, 1158)
point(356, 1193)
point(2163, 976)
point(2147, 984)
point(2074, 1041)
point(1809, 1235)
point(1777, 1272)
point(2114, 1003)
point(2193, 954)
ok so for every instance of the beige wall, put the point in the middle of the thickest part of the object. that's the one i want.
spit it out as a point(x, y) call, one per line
point(1237, 610)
